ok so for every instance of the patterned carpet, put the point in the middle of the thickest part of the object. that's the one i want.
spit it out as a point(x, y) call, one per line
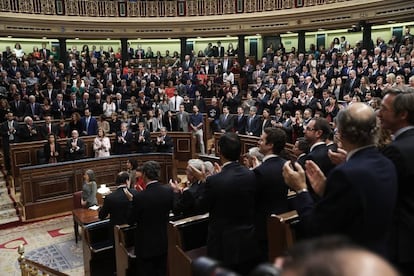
point(50, 242)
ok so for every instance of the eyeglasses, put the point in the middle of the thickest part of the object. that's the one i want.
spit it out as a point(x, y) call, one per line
point(310, 129)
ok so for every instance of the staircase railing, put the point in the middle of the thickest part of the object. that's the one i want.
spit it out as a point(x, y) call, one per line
point(31, 268)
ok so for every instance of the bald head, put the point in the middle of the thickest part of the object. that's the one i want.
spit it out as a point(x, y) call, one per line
point(341, 262)
point(357, 125)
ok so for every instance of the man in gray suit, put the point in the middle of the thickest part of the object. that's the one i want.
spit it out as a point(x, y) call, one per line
point(183, 119)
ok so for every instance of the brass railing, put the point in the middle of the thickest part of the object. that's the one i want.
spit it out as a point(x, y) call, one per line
point(31, 268)
point(173, 8)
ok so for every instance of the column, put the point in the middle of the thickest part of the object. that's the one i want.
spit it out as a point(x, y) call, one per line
point(124, 50)
point(241, 51)
point(301, 42)
point(63, 51)
point(366, 36)
point(183, 47)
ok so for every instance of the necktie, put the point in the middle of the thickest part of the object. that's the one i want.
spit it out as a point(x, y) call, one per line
point(48, 129)
point(175, 103)
point(33, 109)
point(87, 124)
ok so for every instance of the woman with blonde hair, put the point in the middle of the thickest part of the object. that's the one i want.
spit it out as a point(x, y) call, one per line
point(101, 144)
point(89, 189)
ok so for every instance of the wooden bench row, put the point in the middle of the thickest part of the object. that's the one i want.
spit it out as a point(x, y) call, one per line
point(187, 240)
point(48, 189)
point(28, 153)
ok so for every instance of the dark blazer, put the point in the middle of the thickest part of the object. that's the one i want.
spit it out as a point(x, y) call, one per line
point(166, 145)
point(271, 195)
point(229, 198)
point(44, 131)
point(170, 126)
point(401, 153)
point(359, 200)
point(116, 205)
point(25, 135)
point(46, 151)
point(253, 127)
point(150, 210)
point(60, 111)
point(184, 203)
point(145, 145)
point(240, 124)
point(37, 110)
point(75, 154)
point(319, 155)
point(4, 131)
point(123, 147)
point(20, 110)
point(92, 127)
point(226, 124)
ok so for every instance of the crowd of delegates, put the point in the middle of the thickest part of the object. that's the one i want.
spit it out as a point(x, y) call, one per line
point(288, 96)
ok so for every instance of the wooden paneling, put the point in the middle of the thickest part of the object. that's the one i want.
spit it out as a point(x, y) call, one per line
point(248, 142)
point(47, 189)
point(25, 154)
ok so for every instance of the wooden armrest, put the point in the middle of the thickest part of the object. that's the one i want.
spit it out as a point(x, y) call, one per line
point(288, 216)
point(189, 219)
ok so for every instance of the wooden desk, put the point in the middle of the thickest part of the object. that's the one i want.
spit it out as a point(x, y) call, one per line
point(83, 217)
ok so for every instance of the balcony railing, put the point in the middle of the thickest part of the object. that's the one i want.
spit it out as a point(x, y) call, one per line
point(174, 8)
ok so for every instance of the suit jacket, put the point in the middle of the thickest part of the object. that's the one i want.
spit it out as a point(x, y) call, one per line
point(150, 211)
point(183, 121)
point(122, 147)
point(271, 195)
point(401, 153)
point(359, 200)
point(37, 110)
point(229, 198)
point(20, 110)
point(75, 154)
point(226, 124)
point(240, 124)
point(92, 128)
point(253, 126)
point(166, 145)
point(116, 205)
point(144, 145)
point(185, 202)
point(4, 130)
point(26, 135)
point(59, 111)
point(170, 126)
point(44, 130)
point(46, 151)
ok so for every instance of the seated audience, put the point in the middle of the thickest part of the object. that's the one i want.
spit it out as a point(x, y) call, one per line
point(164, 142)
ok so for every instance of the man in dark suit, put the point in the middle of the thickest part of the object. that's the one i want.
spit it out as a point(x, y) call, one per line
point(164, 142)
point(89, 124)
point(33, 109)
point(123, 140)
point(229, 197)
point(143, 137)
point(358, 197)
point(18, 107)
point(47, 128)
point(396, 114)
point(9, 131)
point(240, 121)
point(271, 195)
point(28, 132)
point(253, 123)
point(150, 211)
point(116, 204)
point(226, 121)
point(316, 133)
point(59, 107)
point(75, 147)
